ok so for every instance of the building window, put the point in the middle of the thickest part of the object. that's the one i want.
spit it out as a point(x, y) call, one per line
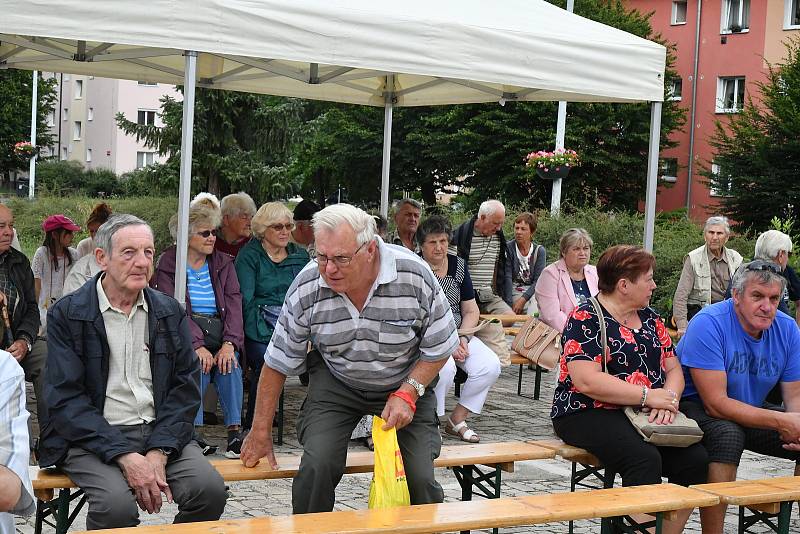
point(66, 115)
point(730, 94)
point(735, 16)
point(77, 131)
point(676, 89)
point(64, 154)
point(669, 169)
point(90, 114)
point(78, 88)
point(148, 84)
point(720, 187)
point(88, 154)
point(51, 118)
point(144, 159)
point(791, 19)
point(147, 117)
point(678, 12)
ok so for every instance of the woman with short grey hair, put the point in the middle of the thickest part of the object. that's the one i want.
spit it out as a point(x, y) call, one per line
point(568, 282)
point(707, 271)
point(214, 305)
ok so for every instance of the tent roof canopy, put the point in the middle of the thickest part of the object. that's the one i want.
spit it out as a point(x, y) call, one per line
point(443, 52)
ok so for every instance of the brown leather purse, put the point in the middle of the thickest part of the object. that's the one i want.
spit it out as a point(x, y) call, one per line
point(539, 343)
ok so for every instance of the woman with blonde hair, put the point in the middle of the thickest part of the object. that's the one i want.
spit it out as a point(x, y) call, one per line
point(266, 267)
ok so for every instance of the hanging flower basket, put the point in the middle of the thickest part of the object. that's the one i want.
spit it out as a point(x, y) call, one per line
point(24, 149)
point(552, 165)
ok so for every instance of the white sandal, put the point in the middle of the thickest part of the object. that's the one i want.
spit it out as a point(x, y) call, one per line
point(462, 431)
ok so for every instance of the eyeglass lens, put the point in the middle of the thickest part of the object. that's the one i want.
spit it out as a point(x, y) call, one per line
point(205, 233)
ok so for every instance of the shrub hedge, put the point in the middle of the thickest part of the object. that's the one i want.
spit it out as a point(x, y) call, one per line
point(675, 235)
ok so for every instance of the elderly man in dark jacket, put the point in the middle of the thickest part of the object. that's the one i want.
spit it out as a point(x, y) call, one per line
point(124, 391)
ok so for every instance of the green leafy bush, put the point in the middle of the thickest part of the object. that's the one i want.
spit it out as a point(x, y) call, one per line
point(28, 215)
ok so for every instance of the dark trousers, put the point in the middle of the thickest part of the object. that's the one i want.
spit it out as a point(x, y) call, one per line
point(609, 435)
point(329, 414)
point(197, 488)
point(254, 358)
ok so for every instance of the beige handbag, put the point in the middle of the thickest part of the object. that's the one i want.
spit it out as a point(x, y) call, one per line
point(493, 336)
point(681, 432)
point(538, 342)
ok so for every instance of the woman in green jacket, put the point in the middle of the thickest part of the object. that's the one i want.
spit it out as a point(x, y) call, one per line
point(266, 267)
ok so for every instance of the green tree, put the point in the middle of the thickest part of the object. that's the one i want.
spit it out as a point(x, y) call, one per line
point(758, 151)
point(241, 142)
point(482, 146)
point(15, 115)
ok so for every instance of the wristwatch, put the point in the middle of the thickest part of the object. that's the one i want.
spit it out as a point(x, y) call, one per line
point(166, 451)
point(416, 385)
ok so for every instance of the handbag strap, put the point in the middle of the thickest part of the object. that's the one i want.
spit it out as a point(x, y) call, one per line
point(598, 310)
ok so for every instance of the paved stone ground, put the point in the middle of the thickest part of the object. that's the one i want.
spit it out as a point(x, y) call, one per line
point(506, 417)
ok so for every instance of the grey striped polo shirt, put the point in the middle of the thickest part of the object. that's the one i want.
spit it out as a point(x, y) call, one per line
point(406, 318)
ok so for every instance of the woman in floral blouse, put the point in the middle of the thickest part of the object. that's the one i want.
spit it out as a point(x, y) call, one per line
point(642, 371)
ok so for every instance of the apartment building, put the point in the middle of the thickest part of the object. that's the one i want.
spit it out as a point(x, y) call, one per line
point(723, 47)
point(84, 125)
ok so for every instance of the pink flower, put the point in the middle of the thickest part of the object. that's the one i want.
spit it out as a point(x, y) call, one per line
point(638, 378)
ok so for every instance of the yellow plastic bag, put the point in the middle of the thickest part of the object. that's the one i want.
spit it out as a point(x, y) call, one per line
point(388, 487)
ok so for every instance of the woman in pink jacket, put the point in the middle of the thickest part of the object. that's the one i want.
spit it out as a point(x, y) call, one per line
point(570, 281)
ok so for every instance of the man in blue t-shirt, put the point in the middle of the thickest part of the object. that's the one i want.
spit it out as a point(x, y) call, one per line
point(733, 353)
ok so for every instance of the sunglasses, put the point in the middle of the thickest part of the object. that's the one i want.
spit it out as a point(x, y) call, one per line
point(205, 233)
point(278, 227)
point(761, 265)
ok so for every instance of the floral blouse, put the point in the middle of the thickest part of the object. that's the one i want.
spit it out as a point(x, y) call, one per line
point(637, 356)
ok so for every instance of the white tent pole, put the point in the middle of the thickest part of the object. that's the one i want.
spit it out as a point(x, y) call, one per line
point(652, 182)
point(387, 143)
point(561, 126)
point(34, 104)
point(187, 137)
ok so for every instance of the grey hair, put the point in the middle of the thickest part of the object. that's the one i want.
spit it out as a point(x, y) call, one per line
point(330, 218)
point(770, 244)
point(742, 277)
point(267, 215)
point(235, 204)
point(199, 214)
point(717, 220)
point(103, 239)
point(488, 207)
point(403, 201)
point(572, 237)
point(435, 224)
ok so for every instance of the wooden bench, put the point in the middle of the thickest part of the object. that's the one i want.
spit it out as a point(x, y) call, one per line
point(660, 500)
point(766, 499)
point(464, 460)
point(584, 465)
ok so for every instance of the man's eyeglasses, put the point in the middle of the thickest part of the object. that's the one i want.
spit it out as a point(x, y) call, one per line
point(339, 261)
point(278, 227)
point(205, 233)
point(761, 265)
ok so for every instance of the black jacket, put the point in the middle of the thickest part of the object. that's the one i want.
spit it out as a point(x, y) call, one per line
point(25, 320)
point(77, 375)
point(502, 272)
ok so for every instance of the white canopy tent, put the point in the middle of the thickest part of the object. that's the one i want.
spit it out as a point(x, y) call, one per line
point(356, 51)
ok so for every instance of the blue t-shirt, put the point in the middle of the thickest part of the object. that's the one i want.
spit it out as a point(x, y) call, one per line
point(201, 292)
point(715, 340)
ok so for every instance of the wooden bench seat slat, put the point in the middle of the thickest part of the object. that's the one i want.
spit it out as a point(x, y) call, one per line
point(505, 454)
point(456, 516)
point(755, 492)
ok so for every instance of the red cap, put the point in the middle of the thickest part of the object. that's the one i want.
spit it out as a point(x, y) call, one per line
point(54, 222)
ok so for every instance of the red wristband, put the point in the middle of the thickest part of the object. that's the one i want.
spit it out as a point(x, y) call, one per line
point(407, 398)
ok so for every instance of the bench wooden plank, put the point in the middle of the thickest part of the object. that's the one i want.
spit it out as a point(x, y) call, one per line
point(518, 359)
point(569, 452)
point(510, 319)
point(505, 454)
point(752, 493)
point(457, 516)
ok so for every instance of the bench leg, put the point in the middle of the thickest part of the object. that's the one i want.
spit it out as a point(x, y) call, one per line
point(519, 381)
point(538, 383)
point(471, 478)
point(756, 516)
point(627, 525)
point(605, 476)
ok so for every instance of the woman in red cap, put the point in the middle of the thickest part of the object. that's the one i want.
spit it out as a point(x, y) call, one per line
point(52, 262)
